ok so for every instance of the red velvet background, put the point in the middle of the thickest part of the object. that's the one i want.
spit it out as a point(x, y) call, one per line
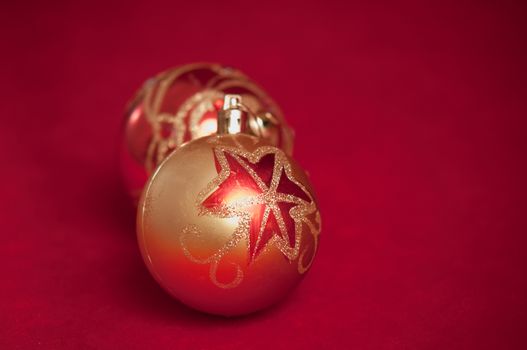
point(411, 118)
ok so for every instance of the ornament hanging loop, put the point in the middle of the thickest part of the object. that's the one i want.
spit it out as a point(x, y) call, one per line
point(234, 117)
point(231, 117)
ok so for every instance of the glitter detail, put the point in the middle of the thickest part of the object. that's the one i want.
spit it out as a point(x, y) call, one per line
point(171, 129)
point(215, 259)
point(197, 105)
point(265, 198)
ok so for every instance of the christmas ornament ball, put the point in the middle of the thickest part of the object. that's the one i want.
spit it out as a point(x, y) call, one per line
point(228, 224)
point(181, 104)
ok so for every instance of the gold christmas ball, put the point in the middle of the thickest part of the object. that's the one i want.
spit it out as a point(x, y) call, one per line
point(182, 104)
point(228, 224)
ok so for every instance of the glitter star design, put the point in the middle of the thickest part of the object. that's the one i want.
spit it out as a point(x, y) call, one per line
point(260, 191)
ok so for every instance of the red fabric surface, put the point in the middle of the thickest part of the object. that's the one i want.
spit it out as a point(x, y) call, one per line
point(410, 117)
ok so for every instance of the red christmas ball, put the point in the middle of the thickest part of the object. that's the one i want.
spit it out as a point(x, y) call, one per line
point(182, 104)
point(228, 224)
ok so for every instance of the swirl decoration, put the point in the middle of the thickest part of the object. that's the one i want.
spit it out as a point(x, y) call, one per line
point(171, 130)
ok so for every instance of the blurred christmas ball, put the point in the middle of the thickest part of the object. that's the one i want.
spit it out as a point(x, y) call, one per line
point(180, 105)
point(228, 224)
